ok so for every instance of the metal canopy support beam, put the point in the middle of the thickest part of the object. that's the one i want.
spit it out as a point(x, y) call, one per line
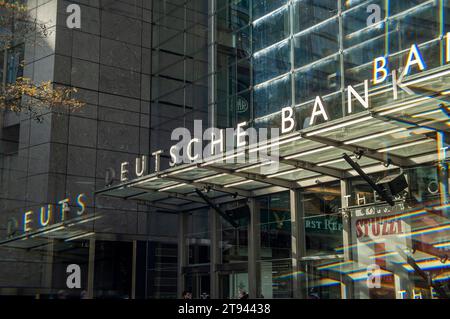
point(267, 190)
point(370, 153)
point(217, 200)
point(426, 278)
point(169, 207)
point(315, 168)
point(216, 208)
point(216, 187)
point(193, 200)
point(169, 195)
point(380, 190)
point(256, 177)
point(406, 122)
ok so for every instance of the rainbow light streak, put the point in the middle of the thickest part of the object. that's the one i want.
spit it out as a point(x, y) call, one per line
point(362, 275)
point(442, 245)
point(290, 275)
point(424, 231)
point(335, 265)
point(325, 282)
point(383, 255)
point(428, 265)
point(441, 206)
point(443, 277)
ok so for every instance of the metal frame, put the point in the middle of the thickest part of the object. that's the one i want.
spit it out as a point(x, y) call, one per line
point(298, 248)
point(367, 152)
point(315, 168)
point(256, 177)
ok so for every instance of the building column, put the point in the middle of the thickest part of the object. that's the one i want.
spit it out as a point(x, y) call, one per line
point(133, 270)
point(47, 276)
point(215, 253)
point(346, 221)
point(298, 248)
point(91, 268)
point(346, 236)
point(181, 253)
point(254, 249)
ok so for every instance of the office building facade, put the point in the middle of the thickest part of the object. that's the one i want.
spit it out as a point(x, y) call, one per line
point(288, 149)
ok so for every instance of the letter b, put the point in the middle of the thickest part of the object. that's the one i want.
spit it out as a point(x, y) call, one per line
point(286, 118)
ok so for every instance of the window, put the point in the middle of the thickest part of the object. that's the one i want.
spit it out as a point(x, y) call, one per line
point(323, 219)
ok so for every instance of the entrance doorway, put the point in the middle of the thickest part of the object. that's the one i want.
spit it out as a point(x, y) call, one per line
point(199, 285)
point(232, 283)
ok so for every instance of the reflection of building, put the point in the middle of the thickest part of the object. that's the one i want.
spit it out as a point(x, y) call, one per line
point(310, 227)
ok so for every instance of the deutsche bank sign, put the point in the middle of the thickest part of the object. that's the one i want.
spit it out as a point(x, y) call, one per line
point(191, 150)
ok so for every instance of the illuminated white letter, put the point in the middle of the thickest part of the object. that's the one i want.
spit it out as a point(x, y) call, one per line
point(64, 207)
point(27, 221)
point(157, 156)
point(124, 172)
point(286, 116)
point(189, 149)
point(141, 166)
point(81, 204)
point(351, 92)
point(173, 156)
point(414, 57)
point(241, 133)
point(447, 47)
point(318, 110)
point(380, 66)
point(46, 215)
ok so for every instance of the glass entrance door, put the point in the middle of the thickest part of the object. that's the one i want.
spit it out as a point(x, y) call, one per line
point(233, 284)
point(199, 285)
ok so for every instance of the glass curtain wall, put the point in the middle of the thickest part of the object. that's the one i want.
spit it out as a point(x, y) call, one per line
point(273, 54)
point(179, 67)
point(197, 243)
point(275, 230)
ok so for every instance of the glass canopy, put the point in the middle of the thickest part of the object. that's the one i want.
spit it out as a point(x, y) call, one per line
point(403, 133)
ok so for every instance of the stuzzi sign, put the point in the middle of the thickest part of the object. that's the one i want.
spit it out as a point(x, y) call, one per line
point(378, 227)
point(190, 149)
point(377, 220)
